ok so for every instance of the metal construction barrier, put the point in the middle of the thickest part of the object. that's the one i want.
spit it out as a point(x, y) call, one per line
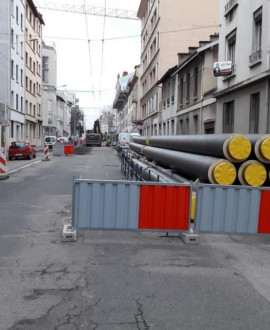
point(68, 149)
point(58, 149)
point(130, 205)
point(232, 209)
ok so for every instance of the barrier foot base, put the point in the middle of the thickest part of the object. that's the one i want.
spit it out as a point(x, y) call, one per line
point(69, 234)
point(46, 159)
point(190, 238)
point(4, 176)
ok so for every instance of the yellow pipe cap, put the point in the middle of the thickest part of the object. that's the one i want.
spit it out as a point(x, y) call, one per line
point(239, 148)
point(255, 174)
point(265, 148)
point(224, 173)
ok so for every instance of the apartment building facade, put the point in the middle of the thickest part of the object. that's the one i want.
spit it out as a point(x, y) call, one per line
point(56, 101)
point(49, 87)
point(33, 72)
point(188, 103)
point(167, 29)
point(12, 119)
point(243, 98)
point(121, 106)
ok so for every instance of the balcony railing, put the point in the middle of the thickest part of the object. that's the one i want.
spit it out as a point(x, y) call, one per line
point(230, 5)
point(255, 57)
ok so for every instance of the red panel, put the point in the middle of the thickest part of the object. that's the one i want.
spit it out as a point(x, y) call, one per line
point(68, 150)
point(164, 207)
point(264, 216)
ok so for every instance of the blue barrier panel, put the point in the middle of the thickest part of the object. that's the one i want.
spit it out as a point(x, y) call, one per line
point(110, 205)
point(227, 209)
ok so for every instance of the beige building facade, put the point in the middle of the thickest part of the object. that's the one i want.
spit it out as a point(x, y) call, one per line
point(33, 72)
point(167, 28)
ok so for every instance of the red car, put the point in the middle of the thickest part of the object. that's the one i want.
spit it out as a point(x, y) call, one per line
point(21, 149)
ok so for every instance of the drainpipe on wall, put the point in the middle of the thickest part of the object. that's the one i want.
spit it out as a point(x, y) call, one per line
point(268, 86)
point(201, 107)
point(267, 105)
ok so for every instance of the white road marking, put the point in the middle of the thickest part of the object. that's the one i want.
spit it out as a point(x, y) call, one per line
point(19, 168)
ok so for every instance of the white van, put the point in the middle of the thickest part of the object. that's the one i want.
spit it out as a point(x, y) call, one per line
point(50, 141)
point(124, 139)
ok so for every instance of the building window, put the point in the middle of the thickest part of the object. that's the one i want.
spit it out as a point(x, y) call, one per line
point(196, 124)
point(12, 7)
point(12, 129)
point(22, 77)
point(209, 127)
point(12, 99)
point(181, 98)
point(257, 37)
point(45, 69)
point(17, 15)
point(12, 69)
point(196, 82)
point(231, 44)
point(12, 37)
point(172, 91)
point(172, 128)
point(168, 92)
point(17, 102)
point(254, 113)
point(228, 117)
point(22, 22)
point(17, 73)
point(21, 104)
point(17, 44)
point(188, 87)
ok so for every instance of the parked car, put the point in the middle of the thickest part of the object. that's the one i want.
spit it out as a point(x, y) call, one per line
point(21, 149)
point(50, 141)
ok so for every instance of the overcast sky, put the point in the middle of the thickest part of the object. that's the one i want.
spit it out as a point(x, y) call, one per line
point(84, 70)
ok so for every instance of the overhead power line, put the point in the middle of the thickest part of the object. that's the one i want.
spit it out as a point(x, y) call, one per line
point(102, 50)
point(200, 27)
point(89, 52)
point(88, 10)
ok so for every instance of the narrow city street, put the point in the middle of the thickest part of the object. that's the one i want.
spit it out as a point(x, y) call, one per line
point(116, 280)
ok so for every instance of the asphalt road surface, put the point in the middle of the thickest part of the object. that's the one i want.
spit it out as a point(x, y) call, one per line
point(117, 280)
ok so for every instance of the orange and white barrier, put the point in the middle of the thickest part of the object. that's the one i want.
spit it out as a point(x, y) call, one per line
point(3, 165)
point(46, 152)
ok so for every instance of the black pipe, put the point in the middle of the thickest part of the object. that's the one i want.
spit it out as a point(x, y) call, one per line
point(204, 168)
point(234, 147)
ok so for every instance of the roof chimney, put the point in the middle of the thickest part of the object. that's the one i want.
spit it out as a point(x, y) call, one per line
point(214, 37)
point(192, 50)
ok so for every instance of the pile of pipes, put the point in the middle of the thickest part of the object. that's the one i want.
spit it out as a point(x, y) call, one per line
point(223, 159)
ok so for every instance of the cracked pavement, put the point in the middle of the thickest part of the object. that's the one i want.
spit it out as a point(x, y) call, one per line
point(118, 280)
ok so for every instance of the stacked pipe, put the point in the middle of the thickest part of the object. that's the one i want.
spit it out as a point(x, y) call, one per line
point(220, 159)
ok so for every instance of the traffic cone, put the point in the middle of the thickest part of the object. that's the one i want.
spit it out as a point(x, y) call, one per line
point(3, 165)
